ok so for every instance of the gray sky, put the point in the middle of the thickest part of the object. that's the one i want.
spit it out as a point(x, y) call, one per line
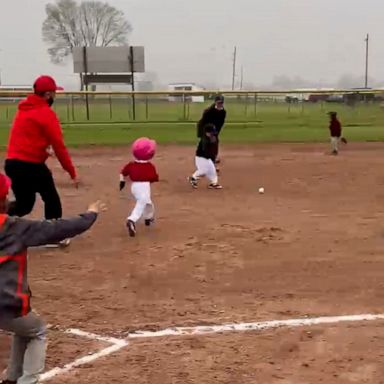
point(192, 40)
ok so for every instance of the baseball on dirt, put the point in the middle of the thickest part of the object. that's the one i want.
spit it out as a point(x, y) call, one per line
point(261, 190)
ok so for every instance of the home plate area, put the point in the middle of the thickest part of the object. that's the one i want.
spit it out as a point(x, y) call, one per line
point(330, 346)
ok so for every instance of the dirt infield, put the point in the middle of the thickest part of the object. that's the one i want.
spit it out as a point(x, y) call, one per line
point(310, 246)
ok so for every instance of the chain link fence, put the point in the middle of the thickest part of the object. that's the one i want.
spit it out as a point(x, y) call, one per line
point(171, 107)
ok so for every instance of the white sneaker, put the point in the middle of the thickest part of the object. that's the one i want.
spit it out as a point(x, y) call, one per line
point(61, 244)
point(215, 186)
point(65, 243)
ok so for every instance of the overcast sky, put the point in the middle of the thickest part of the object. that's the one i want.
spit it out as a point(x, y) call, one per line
point(193, 40)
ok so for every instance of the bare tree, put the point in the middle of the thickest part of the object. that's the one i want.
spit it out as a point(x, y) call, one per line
point(90, 23)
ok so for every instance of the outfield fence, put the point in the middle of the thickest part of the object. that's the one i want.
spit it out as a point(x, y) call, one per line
point(185, 107)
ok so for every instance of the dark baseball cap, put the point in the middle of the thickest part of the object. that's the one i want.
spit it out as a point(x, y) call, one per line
point(219, 99)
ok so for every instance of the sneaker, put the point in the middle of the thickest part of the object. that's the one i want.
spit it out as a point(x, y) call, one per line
point(335, 153)
point(131, 228)
point(64, 243)
point(215, 186)
point(192, 181)
point(149, 222)
point(61, 244)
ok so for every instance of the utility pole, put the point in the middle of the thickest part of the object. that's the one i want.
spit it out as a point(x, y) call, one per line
point(366, 60)
point(234, 68)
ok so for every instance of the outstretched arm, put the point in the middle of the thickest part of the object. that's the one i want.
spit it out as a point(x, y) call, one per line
point(55, 136)
point(36, 233)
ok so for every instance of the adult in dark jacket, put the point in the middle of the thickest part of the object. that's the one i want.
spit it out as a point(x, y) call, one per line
point(215, 115)
point(16, 236)
point(35, 131)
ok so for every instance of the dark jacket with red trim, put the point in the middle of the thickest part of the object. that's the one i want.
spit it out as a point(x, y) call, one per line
point(36, 128)
point(16, 235)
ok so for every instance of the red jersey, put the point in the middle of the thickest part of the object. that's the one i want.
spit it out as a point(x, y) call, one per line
point(335, 128)
point(140, 172)
point(34, 129)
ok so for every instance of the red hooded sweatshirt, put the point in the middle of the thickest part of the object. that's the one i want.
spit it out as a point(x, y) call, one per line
point(34, 129)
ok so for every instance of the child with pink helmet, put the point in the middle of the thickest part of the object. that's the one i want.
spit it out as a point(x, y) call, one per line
point(142, 174)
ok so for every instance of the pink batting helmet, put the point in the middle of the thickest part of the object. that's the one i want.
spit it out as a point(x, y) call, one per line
point(144, 149)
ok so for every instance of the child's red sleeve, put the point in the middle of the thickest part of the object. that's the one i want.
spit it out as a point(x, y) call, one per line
point(155, 176)
point(126, 170)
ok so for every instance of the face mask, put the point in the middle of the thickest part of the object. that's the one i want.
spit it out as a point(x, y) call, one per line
point(50, 101)
point(219, 106)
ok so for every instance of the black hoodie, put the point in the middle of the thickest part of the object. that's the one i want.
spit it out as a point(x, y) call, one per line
point(214, 116)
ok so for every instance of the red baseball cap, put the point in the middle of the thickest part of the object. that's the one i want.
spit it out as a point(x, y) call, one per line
point(45, 84)
point(5, 184)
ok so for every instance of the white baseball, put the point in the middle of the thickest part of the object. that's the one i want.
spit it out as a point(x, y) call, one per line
point(261, 190)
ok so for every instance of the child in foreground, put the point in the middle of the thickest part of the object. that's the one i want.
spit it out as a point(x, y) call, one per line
point(142, 173)
point(16, 316)
point(205, 158)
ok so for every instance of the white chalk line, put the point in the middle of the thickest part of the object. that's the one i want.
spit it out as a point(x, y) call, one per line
point(257, 326)
point(82, 361)
point(93, 336)
point(118, 344)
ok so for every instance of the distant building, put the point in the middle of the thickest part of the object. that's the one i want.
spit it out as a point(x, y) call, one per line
point(185, 87)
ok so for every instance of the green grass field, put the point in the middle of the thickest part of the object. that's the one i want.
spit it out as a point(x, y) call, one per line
point(175, 123)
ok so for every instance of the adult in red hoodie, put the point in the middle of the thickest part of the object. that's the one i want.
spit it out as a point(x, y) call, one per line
point(35, 129)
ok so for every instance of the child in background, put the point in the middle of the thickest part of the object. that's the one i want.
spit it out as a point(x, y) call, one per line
point(142, 173)
point(335, 131)
point(29, 330)
point(205, 158)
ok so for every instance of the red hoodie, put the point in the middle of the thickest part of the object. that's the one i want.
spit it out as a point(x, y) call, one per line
point(34, 129)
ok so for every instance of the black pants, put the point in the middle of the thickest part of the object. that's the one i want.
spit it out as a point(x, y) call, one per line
point(27, 180)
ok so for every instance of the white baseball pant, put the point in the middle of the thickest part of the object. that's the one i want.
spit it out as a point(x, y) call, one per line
point(335, 143)
point(205, 167)
point(141, 191)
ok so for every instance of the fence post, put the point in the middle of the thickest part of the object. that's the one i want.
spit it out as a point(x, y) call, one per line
point(184, 108)
point(68, 113)
point(73, 109)
point(246, 106)
point(129, 107)
point(110, 107)
point(146, 108)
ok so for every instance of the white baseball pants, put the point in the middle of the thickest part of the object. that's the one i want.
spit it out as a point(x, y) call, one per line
point(205, 167)
point(141, 191)
point(335, 143)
